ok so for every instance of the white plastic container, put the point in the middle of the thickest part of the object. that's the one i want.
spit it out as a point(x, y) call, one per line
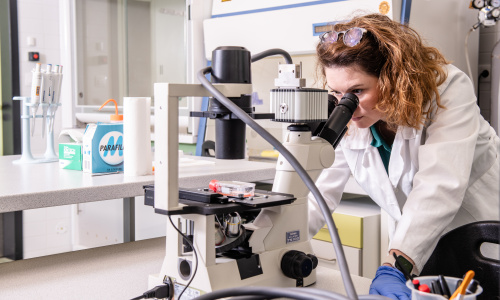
point(451, 281)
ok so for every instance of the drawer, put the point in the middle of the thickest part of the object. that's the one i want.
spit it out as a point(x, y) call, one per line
point(328, 258)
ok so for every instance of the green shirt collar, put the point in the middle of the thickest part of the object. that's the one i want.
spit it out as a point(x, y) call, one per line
point(377, 139)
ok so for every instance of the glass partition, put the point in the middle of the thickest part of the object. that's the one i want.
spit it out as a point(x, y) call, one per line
point(125, 46)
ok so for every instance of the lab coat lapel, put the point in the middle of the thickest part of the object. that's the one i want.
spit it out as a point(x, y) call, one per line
point(403, 159)
point(396, 162)
point(369, 171)
point(380, 187)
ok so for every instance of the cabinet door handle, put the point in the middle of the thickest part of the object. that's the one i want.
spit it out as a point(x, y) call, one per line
point(326, 259)
point(329, 259)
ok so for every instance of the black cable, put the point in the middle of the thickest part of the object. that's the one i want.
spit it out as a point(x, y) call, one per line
point(158, 292)
point(252, 298)
point(271, 52)
point(344, 269)
point(321, 293)
point(324, 293)
point(484, 74)
point(195, 256)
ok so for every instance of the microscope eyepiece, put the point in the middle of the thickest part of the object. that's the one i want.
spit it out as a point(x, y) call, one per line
point(336, 126)
point(350, 101)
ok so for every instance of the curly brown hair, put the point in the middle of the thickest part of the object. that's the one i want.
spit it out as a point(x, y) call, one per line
point(408, 72)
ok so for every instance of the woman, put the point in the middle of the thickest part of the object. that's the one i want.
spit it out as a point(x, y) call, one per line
point(416, 144)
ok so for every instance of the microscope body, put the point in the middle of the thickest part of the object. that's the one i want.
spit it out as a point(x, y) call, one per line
point(277, 233)
point(278, 249)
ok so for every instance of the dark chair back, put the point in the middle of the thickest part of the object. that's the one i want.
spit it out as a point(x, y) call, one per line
point(458, 251)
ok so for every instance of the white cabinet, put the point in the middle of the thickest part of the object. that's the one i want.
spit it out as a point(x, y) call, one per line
point(328, 258)
point(358, 222)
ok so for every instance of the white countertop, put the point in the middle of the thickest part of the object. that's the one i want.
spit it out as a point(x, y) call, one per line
point(112, 272)
point(28, 186)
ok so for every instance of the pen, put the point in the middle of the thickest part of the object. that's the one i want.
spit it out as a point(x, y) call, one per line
point(436, 287)
point(444, 286)
point(432, 286)
point(472, 287)
point(461, 289)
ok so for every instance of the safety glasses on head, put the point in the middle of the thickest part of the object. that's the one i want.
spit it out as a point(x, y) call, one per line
point(352, 36)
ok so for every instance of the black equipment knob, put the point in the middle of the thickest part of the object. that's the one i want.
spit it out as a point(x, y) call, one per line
point(296, 264)
point(314, 260)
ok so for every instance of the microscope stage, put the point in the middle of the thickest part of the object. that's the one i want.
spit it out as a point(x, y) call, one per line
point(203, 202)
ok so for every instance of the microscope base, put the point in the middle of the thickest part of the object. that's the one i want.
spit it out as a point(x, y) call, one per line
point(223, 274)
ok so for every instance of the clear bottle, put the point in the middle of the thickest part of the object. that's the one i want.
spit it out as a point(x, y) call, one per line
point(116, 117)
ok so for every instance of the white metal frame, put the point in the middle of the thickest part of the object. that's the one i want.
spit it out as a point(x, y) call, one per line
point(166, 149)
point(270, 228)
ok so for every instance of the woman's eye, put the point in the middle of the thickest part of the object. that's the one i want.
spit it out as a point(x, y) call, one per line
point(358, 91)
point(335, 93)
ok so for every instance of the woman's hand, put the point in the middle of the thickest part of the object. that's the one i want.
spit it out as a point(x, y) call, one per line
point(391, 283)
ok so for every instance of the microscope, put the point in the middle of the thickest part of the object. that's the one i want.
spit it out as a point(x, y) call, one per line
point(274, 248)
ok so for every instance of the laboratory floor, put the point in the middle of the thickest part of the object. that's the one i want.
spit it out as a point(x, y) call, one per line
point(4, 260)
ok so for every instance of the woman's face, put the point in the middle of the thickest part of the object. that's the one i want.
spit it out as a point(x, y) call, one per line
point(342, 80)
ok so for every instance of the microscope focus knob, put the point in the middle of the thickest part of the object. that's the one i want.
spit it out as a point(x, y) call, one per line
point(297, 265)
point(314, 260)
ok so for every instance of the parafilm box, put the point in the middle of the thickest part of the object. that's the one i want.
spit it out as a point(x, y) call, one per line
point(70, 156)
point(103, 148)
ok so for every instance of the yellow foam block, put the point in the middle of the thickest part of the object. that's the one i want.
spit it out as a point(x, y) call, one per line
point(269, 153)
point(350, 229)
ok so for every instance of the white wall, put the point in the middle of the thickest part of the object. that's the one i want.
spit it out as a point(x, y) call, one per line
point(38, 19)
point(48, 230)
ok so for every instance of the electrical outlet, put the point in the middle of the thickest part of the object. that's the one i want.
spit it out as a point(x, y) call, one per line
point(481, 69)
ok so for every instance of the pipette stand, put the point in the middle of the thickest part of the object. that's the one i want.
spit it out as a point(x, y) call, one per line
point(26, 156)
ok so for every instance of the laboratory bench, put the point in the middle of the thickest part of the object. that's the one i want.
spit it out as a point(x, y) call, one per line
point(112, 272)
point(31, 186)
point(117, 271)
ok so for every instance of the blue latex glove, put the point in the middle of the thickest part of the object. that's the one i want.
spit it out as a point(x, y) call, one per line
point(390, 282)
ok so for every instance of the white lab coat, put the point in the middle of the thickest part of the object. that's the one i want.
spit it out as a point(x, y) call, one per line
point(440, 177)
